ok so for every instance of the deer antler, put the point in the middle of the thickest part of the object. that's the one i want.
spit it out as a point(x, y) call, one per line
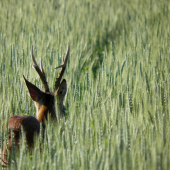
point(40, 71)
point(63, 67)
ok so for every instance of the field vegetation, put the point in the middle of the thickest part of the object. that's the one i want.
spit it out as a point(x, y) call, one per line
point(118, 77)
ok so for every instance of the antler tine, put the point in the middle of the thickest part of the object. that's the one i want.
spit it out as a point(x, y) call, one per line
point(33, 58)
point(40, 71)
point(41, 66)
point(63, 67)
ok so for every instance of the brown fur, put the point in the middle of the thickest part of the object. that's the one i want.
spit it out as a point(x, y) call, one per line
point(31, 127)
point(43, 110)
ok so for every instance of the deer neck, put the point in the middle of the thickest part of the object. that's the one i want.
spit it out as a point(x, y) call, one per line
point(41, 112)
point(60, 108)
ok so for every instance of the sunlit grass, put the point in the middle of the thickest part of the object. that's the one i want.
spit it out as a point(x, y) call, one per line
point(117, 75)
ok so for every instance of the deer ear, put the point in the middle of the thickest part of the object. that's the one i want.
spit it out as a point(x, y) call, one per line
point(35, 93)
point(62, 90)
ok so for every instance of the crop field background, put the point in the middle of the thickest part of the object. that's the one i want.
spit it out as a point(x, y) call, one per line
point(118, 78)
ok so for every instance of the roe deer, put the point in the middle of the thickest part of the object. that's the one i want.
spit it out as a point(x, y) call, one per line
point(45, 107)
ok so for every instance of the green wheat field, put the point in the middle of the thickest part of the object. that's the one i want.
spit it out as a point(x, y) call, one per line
point(118, 80)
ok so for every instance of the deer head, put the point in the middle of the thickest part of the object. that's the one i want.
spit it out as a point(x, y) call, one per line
point(45, 100)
